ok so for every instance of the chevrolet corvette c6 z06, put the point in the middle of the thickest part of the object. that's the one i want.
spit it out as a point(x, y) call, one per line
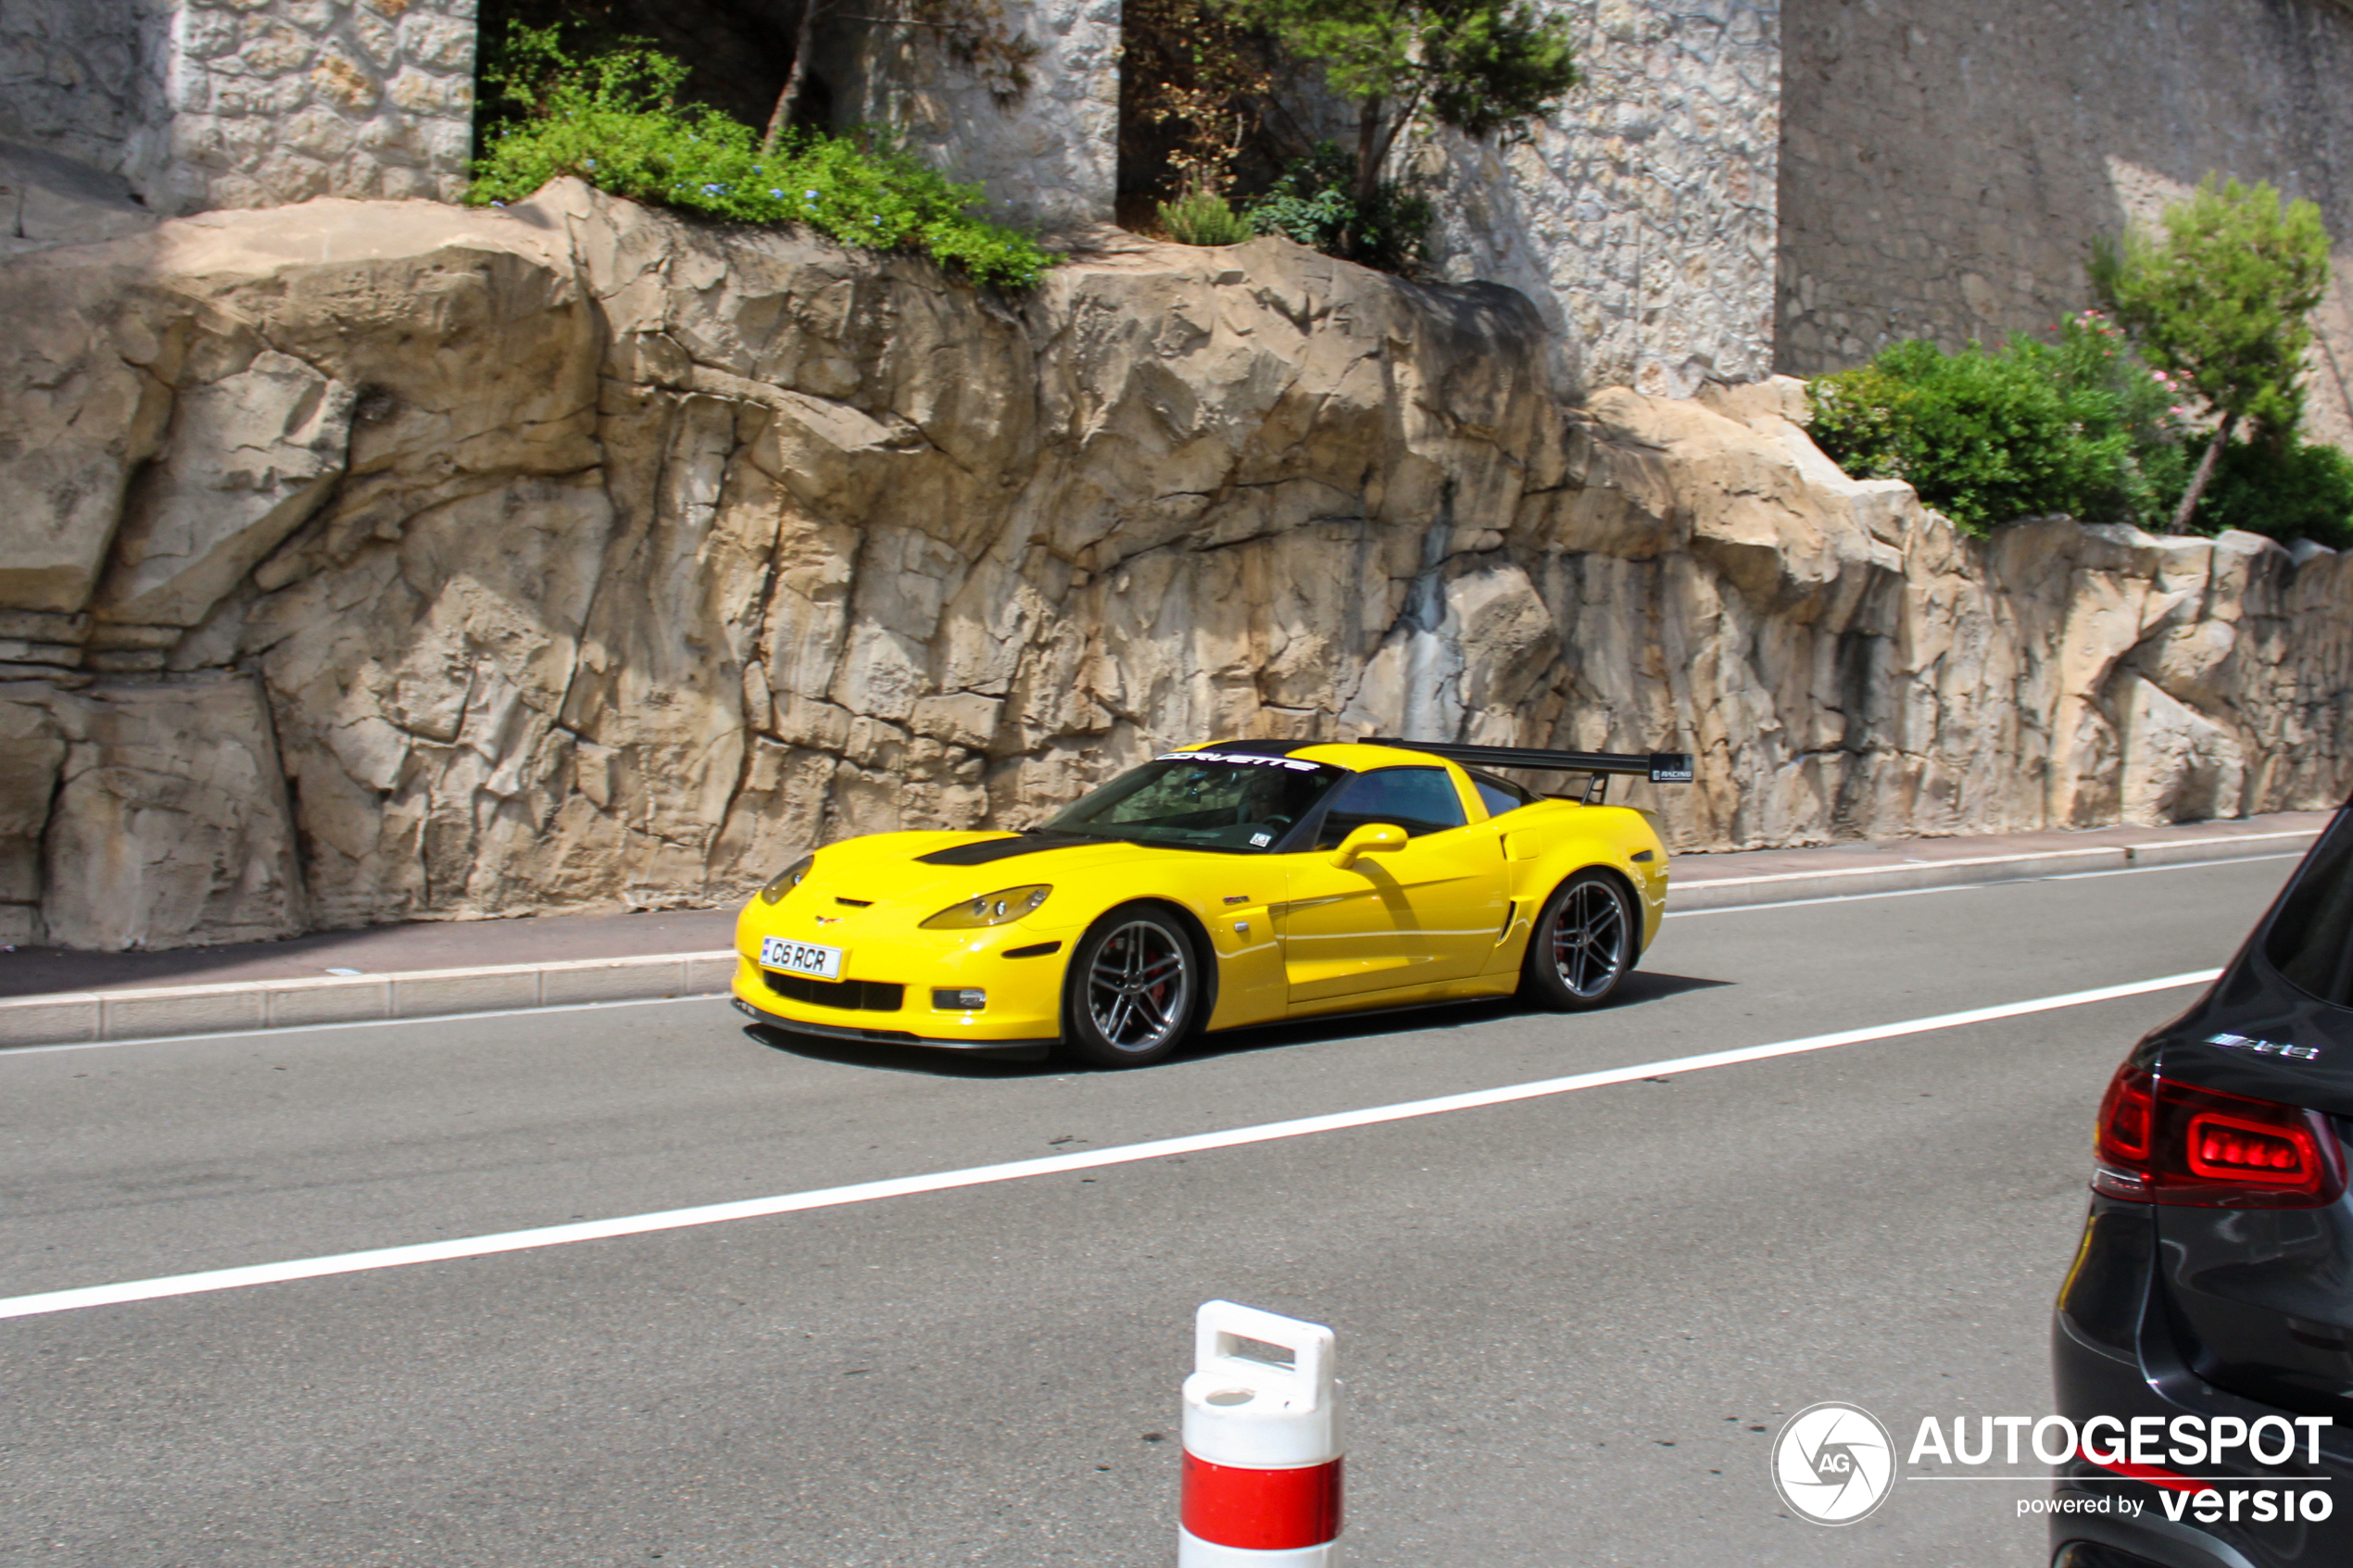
point(1228, 884)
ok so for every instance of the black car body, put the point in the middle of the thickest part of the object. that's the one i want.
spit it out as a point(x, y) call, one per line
point(2215, 1278)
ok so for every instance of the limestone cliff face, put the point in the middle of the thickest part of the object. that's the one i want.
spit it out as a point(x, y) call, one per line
point(362, 561)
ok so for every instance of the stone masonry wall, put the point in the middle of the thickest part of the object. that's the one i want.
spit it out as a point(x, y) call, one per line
point(1640, 219)
point(1640, 216)
point(1048, 160)
point(283, 100)
point(205, 104)
point(86, 82)
point(1944, 167)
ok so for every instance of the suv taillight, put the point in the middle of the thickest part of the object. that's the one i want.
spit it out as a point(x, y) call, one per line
point(2163, 1142)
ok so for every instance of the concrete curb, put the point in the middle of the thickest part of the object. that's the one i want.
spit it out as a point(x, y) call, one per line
point(1736, 892)
point(87, 1017)
point(84, 1017)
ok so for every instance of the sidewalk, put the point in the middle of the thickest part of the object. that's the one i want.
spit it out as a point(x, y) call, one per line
point(435, 969)
point(1761, 876)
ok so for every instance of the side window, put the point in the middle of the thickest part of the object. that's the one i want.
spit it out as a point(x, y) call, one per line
point(2312, 937)
point(1501, 794)
point(1420, 800)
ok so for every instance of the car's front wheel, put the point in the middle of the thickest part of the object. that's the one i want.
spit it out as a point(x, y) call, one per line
point(1134, 986)
point(1584, 944)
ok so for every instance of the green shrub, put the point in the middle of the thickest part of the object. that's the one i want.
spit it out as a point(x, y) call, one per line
point(2077, 426)
point(614, 119)
point(1203, 218)
point(2286, 490)
point(1314, 203)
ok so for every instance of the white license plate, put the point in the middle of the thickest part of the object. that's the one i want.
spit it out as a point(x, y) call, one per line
point(800, 958)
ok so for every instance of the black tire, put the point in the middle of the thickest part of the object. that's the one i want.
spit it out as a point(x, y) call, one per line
point(1584, 945)
point(1133, 989)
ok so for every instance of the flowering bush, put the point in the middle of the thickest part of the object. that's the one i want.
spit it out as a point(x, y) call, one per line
point(614, 119)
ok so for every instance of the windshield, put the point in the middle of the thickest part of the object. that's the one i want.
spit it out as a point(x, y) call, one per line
point(1202, 800)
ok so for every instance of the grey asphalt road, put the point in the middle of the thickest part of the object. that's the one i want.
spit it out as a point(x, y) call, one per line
point(1568, 1326)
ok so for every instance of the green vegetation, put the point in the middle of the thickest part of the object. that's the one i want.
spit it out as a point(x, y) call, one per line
point(613, 118)
point(1203, 218)
point(1317, 204)
point(2292, 491)
point(2225, 301)
point(1204, 109)
point(2076, 426)
point(2209, 325)
point(1484, 68)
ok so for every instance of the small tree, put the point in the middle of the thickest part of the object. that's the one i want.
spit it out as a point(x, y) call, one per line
point(1479, 66)
point(2223, 301)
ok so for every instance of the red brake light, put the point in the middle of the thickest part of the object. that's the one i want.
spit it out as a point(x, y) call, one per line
point(2163, 1142)
point(2224, 1146)
point(2125, 1114)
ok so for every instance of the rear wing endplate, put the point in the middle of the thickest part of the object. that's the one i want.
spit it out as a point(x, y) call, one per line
point(1659, 767)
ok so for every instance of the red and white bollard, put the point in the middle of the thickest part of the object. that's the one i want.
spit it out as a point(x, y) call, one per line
point(1262, 1443)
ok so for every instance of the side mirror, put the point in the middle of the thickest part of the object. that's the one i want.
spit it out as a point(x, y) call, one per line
point(1372, 839)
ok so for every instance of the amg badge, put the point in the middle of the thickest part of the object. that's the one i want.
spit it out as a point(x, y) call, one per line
point(2263, 1047)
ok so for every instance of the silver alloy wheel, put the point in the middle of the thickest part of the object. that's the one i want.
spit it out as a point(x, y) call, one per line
point(1139, 988)
point(1589, 939)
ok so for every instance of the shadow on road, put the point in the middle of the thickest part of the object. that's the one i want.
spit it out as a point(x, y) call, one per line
point(1640, 987)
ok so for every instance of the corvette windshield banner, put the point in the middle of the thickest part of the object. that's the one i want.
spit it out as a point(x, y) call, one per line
point(1293, 764)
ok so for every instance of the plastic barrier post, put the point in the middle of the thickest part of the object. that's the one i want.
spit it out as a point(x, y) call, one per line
point(1262, 1443)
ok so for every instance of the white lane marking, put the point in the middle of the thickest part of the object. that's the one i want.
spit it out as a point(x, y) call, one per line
point(1972, 886)
point(2185, 866)
point(983, 1175)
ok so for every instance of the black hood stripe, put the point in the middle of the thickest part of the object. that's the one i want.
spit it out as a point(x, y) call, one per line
point(989, 851)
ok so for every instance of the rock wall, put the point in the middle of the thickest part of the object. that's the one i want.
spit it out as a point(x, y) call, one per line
point(1639, 218)
point(1943, 168)
point(204, 104)
point(364, 561)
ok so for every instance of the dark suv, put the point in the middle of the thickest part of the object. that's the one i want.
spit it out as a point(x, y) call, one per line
point(2216, 1275)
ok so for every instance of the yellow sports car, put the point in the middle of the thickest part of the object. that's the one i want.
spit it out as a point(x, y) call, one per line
point(1232, 883)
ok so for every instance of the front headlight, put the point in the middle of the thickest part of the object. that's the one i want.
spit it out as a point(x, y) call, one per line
point(786, 879)
point(1000, 908)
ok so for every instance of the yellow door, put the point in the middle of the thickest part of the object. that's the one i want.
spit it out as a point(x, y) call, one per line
point(1426, 910)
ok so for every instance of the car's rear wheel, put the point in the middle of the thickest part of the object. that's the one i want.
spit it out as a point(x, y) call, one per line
point(1134, 986)
point(1584, 944)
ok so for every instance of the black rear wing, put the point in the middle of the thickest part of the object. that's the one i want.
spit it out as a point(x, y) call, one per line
point(1659, 767)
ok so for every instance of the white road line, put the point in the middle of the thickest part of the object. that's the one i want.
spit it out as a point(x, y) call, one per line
point(983, 1175)
point(2185, 866)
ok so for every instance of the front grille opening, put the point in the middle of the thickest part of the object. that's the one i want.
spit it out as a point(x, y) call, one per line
point(856, 996)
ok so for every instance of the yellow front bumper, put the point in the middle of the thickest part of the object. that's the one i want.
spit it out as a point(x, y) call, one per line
point(1023, 1004)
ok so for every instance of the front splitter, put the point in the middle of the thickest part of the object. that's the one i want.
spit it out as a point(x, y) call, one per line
point(1011, 1050)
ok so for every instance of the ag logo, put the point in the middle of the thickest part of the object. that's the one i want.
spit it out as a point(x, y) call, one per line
point(1834, 1463)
